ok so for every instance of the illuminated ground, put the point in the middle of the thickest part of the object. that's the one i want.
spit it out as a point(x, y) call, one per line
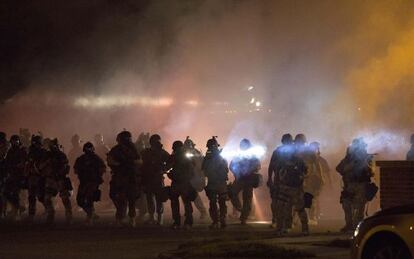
point(107, 241)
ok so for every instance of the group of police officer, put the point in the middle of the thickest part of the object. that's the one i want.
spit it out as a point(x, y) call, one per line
point(296, 174)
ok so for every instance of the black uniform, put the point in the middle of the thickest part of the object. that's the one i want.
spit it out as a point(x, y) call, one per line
point(89, 168)
point(124, 185)
point(14, 163)
point(216, 170)
point(410, 154)
point(37, 161)
point(356, 173)
point(154, 165)
point(181, 174)
point(243, 168)
point(4, 147)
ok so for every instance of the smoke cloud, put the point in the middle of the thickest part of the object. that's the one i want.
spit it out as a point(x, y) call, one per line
point(331, 70)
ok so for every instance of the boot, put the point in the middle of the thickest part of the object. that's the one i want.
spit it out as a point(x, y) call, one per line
point(132, 222)
point(69, 217)
point(160, 219)
point(305, 230)
point(214, 225)
point(151, 219)
point(223, 224)
point(12, 215)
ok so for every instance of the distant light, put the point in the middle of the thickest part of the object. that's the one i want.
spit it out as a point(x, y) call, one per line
point(252, 100)
point(359, 108)
point(121, 101)
point(258, 104)
point(193, 103)
point(250, 88)
point(189, 155)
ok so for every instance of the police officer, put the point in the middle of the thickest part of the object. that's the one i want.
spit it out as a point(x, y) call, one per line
point(123, 159)
point(410, 154)
point(60, 171)
point(35, 172)
point(4, 147)
point(25, 137)
point(320, 181)
point(154, 165)
point(279, 154)
point(243, 167)
point(142, 141)
point(101, 150)
point(89, 168)
point(15, 162)
point(314, 179)
point(216, 170)
point(356, 172)
point(291, 171)
point(74, 152)
point(141, 144)
point(199, 179)
point(181, 174)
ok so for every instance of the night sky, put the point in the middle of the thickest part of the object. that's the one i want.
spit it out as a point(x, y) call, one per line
point(317, 65)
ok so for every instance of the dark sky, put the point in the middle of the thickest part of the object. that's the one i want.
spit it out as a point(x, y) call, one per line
point(352, 58)
point(43, 38)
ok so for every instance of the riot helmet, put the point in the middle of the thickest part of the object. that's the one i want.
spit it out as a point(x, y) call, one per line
point(155, 141)
point(212, 143)
point(188, 143)
point(88, 148)
point(287, 139)
point(3, 137)
point(300, 139)
point(54, 144)
point(245, 144)
point(124, 137)
point(177, 146)
point(37, 140)
point(15, 140)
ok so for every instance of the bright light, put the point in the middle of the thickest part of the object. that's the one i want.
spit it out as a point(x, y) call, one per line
point(258, 104)
point(192, 103)
point(189, 155)
point(356, 231)
point(254, 151)
point(252, 100)
point(250, 88)
point(121, 101)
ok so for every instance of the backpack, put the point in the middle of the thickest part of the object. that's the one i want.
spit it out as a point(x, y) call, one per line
point(291, 174)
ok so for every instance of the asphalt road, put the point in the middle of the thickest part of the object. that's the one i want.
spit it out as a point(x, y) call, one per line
point(105, 240)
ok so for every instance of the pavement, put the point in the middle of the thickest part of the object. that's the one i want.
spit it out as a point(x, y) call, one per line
point(106, 240)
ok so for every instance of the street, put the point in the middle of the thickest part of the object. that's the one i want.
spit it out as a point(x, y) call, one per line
point(105, 240)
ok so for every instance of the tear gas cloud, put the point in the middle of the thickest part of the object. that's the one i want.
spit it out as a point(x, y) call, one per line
point(238, 69)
